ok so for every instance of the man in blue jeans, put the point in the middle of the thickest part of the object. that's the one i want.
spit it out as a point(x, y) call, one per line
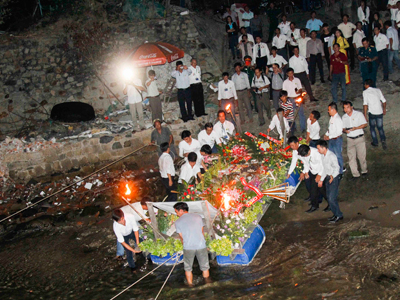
point(337, 71)
point(334, 134)
point(375, 105)
point(125, 228)
point(331, 181)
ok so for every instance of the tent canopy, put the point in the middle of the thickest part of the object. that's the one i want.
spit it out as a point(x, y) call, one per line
point(194, 207)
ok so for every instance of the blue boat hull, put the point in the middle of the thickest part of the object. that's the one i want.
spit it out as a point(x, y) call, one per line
point(159, 260)
point(251, 248)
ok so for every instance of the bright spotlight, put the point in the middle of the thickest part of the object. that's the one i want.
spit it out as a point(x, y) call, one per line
point(127, 73)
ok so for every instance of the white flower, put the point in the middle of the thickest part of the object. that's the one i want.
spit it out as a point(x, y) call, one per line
point(222, 230)
point(236, 245)
point(228, 221)
point(224, 236)
point(245, 235)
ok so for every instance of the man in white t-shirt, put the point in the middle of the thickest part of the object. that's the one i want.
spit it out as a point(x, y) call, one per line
point(375, 105)
point(223, 128)
point(313, 128)
point(353, 124)
point(190, 169)
point(154, 96)
point(209, 137)
point(134, 89)
point(188, 144)
point(196, 88)
point(393, 36)
point(125, 227)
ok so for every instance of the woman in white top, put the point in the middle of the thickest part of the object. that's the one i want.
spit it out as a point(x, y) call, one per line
point(363, 13)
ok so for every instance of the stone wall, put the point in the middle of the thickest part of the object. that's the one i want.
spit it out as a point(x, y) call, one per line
point(43, 68)
point(84, 155)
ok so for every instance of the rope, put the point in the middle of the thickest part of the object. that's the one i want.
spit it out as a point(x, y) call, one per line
point(120, 293)
point(72, 184)
point(176, 262)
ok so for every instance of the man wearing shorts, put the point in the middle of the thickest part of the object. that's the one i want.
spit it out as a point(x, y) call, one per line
point(190, 229)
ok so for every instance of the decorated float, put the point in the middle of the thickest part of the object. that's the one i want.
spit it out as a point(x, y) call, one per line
point(235, 192)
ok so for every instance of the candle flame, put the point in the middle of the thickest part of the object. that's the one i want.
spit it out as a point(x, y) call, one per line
point(128, 190)
point(226, 199)
point(228, 107)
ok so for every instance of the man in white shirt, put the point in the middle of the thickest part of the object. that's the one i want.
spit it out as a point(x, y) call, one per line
point(242, 86)
point(181, 74)
point(334, 134)
point(284, 26)
point(315, 172)
point(250, 37)
point(353, 124)
point(227, 94)
point(134, 89)
point(315, 55)
point(196, 88)
point(347, 29)
point(358, 37)
point(260, 54)
point(190, 169)
point(167, 172)
point(260, 85)
point(332, 180)
point(397, 21)
point(223, 128)
point(275, 58)
point(313, 128)
point(292, 86)
point(125, 227)
point(302, 42)
point(393, 36)
point(279, 41)
point(382, 46)
point(293, 35)
point(276, 123)
point(246, 17)
point(392, 5)
point(188, 144)
point(375, 105)
point(154, 96)
point(209, 137)
point(300, 67)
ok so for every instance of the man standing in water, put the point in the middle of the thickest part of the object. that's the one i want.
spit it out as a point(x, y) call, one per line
point(191, 232)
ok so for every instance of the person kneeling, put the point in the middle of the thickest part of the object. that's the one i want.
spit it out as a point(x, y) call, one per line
point(190, 169)
point(191, 232)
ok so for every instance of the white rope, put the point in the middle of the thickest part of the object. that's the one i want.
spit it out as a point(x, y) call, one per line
point(142, 277)
point(176, 262)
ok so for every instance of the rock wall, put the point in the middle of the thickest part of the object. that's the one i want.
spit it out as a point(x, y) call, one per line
point(43, 68)
point(84, 155)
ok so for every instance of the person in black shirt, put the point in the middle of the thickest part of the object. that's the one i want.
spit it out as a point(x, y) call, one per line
point(232, 30)
point(326, 34)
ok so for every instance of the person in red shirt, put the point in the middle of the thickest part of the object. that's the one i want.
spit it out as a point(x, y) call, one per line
point(337, 72)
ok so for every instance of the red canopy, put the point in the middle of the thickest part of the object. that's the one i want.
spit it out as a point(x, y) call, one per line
point(151, 54)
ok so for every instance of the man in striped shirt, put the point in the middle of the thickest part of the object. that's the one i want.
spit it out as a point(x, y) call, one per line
point(288, 110)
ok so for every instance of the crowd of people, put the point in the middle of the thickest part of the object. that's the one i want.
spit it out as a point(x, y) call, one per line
point(272, 78)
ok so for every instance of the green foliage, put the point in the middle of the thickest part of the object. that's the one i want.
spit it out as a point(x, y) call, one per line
point(162, 248)
point(222, 246)
point(251, 213)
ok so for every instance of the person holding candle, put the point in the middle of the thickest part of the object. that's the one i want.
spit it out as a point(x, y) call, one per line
point(224, 128)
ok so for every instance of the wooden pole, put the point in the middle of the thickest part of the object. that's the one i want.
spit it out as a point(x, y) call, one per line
point(207, 217)
point(157, 233)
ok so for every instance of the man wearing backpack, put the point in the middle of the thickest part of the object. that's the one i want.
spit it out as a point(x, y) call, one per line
point(276, 84)
point(260, 85)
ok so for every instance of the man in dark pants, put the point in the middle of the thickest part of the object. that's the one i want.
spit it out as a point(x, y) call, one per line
point(300, 67)
point(196, 88)
point(261, 54)
point(331, 181)
point(167, 171)
point(314, 170)
point(315, 53)
point(181, 74)
point(382, 46)
point(368, 57)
